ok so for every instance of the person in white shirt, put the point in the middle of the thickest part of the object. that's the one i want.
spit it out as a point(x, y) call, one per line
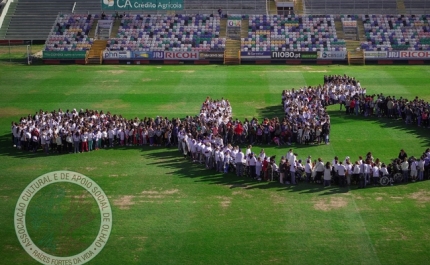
point(208, 153)
point(421, 164)
point(308, 170)
point(240, 156)
point(341, 170)
point(414, 169)
point(375, 174)
point(248, 150)
point(319, 169)
point(293, 167)
point(289, 155)
point(227, 161)
point(327, 174)
point(405, 169)
point(384, 173)
point(216, 157)
point(258, 168)
point(251, 162)
point(348, 172)
point(90, 140)
point(220, 162)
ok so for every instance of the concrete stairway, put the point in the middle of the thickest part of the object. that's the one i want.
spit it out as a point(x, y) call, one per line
point(299, 7)
point(401, 8)
point(232, 52)
point(272, 8)
point(94, 55)
point(223, 28)
point(115, 28)
point(92, 32)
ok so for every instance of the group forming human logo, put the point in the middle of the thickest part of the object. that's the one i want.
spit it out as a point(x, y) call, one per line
point(70, 177)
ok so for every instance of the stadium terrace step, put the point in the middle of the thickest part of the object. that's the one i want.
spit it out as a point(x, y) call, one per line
point(232, 52)
point(401, 8)
point(223, 28)
point(94, 55)
point(244, 28)
point(272, 8)
point(115, 28)
point(299, 7)
point(356, 58)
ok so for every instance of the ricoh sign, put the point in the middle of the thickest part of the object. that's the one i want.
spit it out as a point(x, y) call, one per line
point(169, 55)
point(409, 54)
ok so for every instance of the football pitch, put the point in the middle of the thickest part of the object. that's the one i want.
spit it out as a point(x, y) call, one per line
point(167, 210)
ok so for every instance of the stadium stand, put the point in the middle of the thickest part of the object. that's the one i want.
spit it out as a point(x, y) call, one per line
point(387, 32)
point(292, 33)
point(337, 7)
point(168, 33)
point(228, 6)
point(33, 19)
point(70, 33)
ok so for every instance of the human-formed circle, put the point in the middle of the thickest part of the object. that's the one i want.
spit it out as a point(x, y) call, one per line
point(71, 177)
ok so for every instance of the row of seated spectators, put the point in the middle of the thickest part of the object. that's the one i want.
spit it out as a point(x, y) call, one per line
point(292, 33)
point(168, 33)
point(70, 33)
point(398, 32)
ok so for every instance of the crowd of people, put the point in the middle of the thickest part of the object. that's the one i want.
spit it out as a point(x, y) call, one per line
point(307, 121)
point(213, 137)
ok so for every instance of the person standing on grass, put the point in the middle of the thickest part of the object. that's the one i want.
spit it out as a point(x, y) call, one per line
point(282, 170)
point(421, 169)
point(221, 161)
point(405, 169)
point(60, 143)
point(293, 167)
point(341, 171)
point(375, 174)
point(90, 140)
point(327, 174)
point(308, 170)
point(251, 161)
point(208, 153)
point(319, 169)
point(414, 169)
point(240, 156)
point(76, 139)
point(84, 140)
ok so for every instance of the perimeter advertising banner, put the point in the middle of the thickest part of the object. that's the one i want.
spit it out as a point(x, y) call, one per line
point(409, 54)
point(375, 54)
point(160, 55)
point(116, 55)
point(212, 55)
point(147, 5)
point(332, 55)
point(64, 55)
point(170, 55)
point(255, 55)
point(294, 55)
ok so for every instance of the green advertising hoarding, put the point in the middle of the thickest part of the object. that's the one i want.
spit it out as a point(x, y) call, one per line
point(64, 55)
point(147, 5)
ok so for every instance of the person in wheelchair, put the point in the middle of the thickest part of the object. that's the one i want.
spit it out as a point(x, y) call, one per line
point(300, 171)
point(385, 176)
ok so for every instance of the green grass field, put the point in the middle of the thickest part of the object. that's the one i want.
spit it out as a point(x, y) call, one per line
point(169, 211)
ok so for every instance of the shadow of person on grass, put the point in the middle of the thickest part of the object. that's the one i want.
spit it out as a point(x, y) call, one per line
point(177, 165)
